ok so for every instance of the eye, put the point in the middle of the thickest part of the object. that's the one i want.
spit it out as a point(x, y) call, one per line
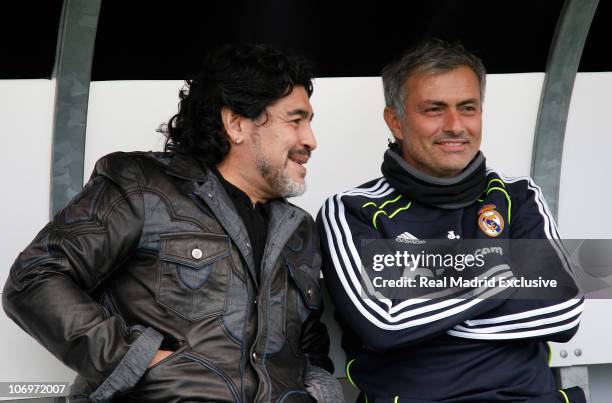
point(432, 110)
point(295, 122)
point(468, 109)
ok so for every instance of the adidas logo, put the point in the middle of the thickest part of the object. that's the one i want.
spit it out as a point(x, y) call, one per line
point(406, 237)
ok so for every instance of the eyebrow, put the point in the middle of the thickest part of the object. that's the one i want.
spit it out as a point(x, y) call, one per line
point(469, 101)
point(301, 112)
point(435, 103)
point(441, 103)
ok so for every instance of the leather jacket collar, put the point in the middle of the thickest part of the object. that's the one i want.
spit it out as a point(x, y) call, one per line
point(187, 166)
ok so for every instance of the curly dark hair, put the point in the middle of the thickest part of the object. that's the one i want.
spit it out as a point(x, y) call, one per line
point(246, 79)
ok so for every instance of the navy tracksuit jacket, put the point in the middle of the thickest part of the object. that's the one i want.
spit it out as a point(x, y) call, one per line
point(447, 349)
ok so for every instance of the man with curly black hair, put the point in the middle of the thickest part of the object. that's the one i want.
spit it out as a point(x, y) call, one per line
point(185, 275)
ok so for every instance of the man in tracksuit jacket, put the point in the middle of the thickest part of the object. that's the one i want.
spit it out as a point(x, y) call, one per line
point(185, 275)
point(477, 343)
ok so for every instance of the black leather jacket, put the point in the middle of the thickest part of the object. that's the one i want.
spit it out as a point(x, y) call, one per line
point(151, 254)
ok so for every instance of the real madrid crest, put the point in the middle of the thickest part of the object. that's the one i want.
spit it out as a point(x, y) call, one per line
point(490, 221)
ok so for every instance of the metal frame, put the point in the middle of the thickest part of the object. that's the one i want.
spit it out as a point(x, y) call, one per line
point(561, 68)
point(72, 72)
point(563, 61)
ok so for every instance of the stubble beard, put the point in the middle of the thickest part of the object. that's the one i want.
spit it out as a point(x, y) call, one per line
point(278, 178)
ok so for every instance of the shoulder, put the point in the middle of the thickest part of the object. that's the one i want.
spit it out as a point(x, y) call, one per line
point(354, 206)
point(115, 163)
point(306, 217)
point(531, 215)
point(354, 198)
point(125, 168)
point(521, 188)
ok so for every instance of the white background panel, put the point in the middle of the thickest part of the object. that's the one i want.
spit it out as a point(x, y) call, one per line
point(26, 113)
point(509, 121)
point(124, 116)
point(585, 198)
point(585, 173)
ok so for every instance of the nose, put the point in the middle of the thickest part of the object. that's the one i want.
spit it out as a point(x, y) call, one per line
point(452, 122)
point(307, 138)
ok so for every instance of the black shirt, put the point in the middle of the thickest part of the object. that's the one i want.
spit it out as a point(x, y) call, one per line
point(255, 219)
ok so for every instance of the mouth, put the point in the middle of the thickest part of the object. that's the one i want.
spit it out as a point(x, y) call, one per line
point(300, 158)
point(452, 145)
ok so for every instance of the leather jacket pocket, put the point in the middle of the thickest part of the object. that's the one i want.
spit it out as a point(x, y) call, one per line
point(309, 290)
point(163, 362)
point(303, 297)
point(193, 273)
point(183, 377)
point(293, 296)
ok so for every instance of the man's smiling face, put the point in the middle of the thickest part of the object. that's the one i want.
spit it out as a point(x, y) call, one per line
point(440, 130)
point(283, 143)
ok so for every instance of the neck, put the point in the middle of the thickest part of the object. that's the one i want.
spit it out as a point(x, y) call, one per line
point(447, 193)
point(248, 185)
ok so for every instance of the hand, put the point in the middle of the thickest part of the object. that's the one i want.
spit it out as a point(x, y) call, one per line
point(160, 355)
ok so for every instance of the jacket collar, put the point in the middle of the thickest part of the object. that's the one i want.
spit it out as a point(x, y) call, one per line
point(188, 167)
point(284, 217)
point(446, 193)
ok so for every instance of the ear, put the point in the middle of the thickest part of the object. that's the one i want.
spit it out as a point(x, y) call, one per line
point(232, 123)
point(393, 122)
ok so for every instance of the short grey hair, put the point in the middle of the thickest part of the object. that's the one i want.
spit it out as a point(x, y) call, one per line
point(431, 56)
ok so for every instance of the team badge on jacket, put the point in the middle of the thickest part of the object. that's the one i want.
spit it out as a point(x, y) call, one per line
point(490, 221)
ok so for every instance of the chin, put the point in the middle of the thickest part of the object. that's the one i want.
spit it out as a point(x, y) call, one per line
point(299, 180)
point(287, 185)
point(294, 189)
point(294, 177)
point(456, 164)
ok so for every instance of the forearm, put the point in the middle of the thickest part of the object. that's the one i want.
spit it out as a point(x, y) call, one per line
point(76, 329)
point(544, 320)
